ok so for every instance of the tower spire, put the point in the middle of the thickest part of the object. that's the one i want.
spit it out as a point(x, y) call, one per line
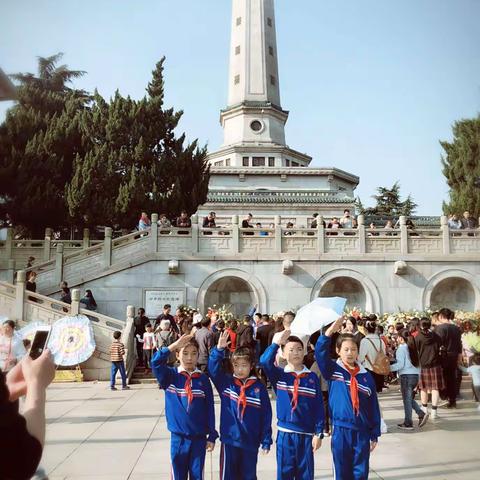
point(253, 73)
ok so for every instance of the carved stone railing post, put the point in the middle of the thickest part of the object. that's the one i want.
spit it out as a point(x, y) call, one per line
point(361, 234)
point(154, 233)
point(59, 264)
point(194, 219)
point(278, 234)
point(9, 244)
point(403, 235)
point(445, 235)
point(47, 244)
point(128, 339)
point(107, 248)
point(11, 271)
point(320, 235)
point(86, 238)
point(235, 235)
point(20, 295)
point(75, 305)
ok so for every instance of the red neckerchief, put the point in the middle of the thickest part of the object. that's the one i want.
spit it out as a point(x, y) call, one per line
point(296, 384)
point(242, 396)
point(188, 386)
point(354, 387)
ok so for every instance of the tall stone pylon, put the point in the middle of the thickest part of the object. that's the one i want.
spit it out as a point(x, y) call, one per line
point(253, 114)
point(253, 121)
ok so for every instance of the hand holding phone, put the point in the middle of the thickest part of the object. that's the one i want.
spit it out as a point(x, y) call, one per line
point(40, 342)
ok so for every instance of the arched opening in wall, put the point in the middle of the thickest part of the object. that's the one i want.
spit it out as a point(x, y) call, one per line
point(234, 292)
point(455, 293)
point(348, 288)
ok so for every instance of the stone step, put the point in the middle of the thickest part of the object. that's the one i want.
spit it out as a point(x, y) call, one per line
point(143, 381)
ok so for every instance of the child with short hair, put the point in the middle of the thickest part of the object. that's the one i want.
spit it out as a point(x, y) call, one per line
point(246, 412)
point(300, 412)
point(117, 351)
point(353, 402)
point(148, 341)
point(474, 371)
point(189, 408)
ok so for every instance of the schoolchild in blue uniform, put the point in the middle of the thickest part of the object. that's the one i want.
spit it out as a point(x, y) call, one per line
point(246, 412)
point(189, 408)
point(353, 405)
point(300, 413)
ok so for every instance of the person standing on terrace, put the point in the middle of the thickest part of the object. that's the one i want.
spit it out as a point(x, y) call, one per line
point(144, 222)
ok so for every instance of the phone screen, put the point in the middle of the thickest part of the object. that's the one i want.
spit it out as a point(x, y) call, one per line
point(38, 344)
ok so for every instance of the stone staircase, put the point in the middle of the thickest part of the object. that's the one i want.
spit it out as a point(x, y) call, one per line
point(139, 376)
point(23, 306)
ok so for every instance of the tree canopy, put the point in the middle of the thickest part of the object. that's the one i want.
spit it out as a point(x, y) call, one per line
point(67, 157)
point(388, 203)
point(461, 167)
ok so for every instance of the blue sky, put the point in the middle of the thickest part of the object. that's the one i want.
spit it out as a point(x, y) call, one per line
point(371, 85)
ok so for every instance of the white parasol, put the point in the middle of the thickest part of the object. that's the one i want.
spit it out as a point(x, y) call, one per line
point(318, 314)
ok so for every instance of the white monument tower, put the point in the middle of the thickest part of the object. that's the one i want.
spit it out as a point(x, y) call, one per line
point(255, 170)
point(254, 121)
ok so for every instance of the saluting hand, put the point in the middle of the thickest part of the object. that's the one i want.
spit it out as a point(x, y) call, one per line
point(180, 343)
point(283, 339)
point(223, 340)
point(334, 327)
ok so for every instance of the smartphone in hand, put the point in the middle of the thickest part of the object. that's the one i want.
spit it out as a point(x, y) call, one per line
point(40, 341)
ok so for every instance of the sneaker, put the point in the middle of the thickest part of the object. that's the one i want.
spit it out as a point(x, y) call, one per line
point(425, 409)
point(434, 414)
point(126, 387)
point(403, 426)
point(383, 427)
point(423, 420)
point(443, 403)
point(113, 388)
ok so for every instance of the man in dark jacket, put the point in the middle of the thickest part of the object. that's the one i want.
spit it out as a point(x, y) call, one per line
point(140, 322)
point(245, 334)
point(451, 338)
point(263, 333)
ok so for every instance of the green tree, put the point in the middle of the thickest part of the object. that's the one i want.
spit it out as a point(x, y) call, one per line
point(135, 162)
point(461, 167)
point(39, 140)
point(389, 203)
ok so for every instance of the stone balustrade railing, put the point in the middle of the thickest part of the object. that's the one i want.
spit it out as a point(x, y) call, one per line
point(276, 241)
point(23, 306)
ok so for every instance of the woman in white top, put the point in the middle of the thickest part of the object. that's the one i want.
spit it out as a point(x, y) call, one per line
point(369, 347)
point(11, 346)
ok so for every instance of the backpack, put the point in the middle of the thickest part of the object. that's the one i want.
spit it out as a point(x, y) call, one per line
point(381, 364)
point(166, 341)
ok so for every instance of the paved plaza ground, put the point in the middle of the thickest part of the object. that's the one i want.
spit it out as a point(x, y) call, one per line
point(96, 434)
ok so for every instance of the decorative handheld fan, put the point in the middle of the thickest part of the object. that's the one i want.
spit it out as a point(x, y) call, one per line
point(72, 341)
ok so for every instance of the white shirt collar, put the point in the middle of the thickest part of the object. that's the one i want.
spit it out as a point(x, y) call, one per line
point(181, 369)
point(340, 364)
point(246, 379)
point(288, 369)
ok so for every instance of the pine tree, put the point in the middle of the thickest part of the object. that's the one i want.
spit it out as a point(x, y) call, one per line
point(135, 153)
point(38, 143)
point(461, 167)
point(389, 203)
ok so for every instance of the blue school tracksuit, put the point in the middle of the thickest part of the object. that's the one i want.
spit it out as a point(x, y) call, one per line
point(300, 415)
point(245, 420)
point(190, 416)
point(351, 433)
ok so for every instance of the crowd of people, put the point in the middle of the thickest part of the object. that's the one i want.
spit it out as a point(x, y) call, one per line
point(246, 357)
point(348, 222)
